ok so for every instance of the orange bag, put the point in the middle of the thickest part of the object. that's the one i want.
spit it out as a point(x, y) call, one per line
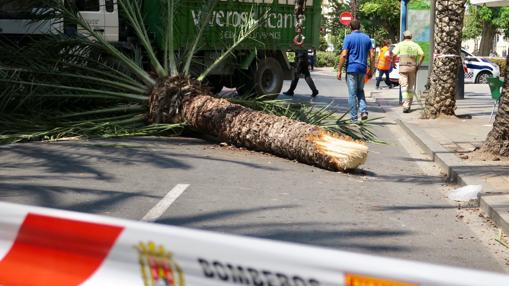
point(367, 78)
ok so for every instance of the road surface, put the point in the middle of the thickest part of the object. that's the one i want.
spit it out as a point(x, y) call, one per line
point(395, 205)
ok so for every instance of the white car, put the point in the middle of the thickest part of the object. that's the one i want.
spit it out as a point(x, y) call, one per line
point(477, 69)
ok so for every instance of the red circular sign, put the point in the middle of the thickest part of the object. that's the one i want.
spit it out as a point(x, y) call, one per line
point(345, 18)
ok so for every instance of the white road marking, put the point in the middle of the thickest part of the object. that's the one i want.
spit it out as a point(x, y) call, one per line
point(158, 210)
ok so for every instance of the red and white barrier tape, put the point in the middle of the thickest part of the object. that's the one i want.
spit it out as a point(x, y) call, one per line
point(40, 246)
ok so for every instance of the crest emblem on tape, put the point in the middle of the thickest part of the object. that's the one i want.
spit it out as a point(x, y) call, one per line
point(158, 268)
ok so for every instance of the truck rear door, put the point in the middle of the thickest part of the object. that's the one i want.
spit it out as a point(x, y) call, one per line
point(93, 12)
point(111, 24)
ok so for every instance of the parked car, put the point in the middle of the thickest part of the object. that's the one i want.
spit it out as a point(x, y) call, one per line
point(477, 69)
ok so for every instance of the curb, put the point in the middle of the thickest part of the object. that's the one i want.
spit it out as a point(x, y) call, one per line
point(438, 154)
point(494, 204)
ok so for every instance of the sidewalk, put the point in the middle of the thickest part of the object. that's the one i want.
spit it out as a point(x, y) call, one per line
point(450, 141)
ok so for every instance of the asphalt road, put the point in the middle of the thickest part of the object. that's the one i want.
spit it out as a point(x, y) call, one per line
point(395, 205)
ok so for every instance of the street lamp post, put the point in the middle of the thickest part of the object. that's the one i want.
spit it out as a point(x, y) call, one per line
point(432, 40)
point(403, 18)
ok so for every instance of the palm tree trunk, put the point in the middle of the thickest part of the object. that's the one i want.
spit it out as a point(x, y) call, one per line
point(255, 130)
point(497, 142)
point(448, 29)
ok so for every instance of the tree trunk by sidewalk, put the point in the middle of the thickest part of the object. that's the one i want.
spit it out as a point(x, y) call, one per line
point(448, 30)
point(489, 32)
point(497, 142)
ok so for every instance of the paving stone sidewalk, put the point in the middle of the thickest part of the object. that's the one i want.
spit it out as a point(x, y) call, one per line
point(450, 141)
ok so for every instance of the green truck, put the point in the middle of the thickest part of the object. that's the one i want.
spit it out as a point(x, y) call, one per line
point(258, 66)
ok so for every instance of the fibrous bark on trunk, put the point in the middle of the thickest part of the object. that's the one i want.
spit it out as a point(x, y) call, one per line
point(448, 29)
point(497, 142)
point(256, 130)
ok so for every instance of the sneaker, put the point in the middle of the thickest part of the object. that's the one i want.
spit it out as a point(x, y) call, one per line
point(289, 93)
point(406, 110)
point(364, 116)
point(315, 93)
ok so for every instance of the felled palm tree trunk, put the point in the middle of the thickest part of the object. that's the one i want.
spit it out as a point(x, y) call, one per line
point(169, 95)
point(497, 142)
point(179, 99)
point(448, 30)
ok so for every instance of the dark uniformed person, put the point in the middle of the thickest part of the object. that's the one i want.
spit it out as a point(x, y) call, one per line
point(302, 68)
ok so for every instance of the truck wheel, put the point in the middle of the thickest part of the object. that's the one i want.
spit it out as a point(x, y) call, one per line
point(268, 77)
point(244, 82)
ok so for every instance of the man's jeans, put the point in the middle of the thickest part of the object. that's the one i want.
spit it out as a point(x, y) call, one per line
point(355, 82)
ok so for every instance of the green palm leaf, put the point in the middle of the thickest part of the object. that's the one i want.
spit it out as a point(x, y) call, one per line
point(87, 87)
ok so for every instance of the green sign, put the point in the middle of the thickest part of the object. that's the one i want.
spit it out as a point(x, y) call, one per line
point(419, 23)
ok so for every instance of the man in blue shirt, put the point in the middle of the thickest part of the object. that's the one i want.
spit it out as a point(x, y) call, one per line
point(356, 49)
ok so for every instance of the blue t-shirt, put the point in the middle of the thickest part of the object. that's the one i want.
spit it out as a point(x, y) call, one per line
point(358, 45)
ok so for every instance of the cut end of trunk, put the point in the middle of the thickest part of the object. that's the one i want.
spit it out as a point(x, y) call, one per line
point(344, 153)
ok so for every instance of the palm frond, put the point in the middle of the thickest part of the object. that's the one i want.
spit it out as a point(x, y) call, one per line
point(206, 14)
point(361, 129)
point(37, 129)
point(244, 33)
point(90, 91)
point(169, 51)
point(93, 79)
point(109, 110)
point(96, 39)
point(72, 89)
point(132, 11)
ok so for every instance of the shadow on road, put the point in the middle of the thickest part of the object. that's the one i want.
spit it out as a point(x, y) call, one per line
point(100, 175)
point(86, 157)
point(311, 233)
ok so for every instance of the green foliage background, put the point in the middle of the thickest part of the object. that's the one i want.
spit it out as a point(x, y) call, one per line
point(501, 62)
point(379, 19)
point(326, 59)
point(323, 59)
point(479, 17)
point(419, 4)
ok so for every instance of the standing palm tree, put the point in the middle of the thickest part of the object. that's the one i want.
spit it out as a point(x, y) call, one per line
point(96, 86)
point(448, 30)
point(497, 142)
